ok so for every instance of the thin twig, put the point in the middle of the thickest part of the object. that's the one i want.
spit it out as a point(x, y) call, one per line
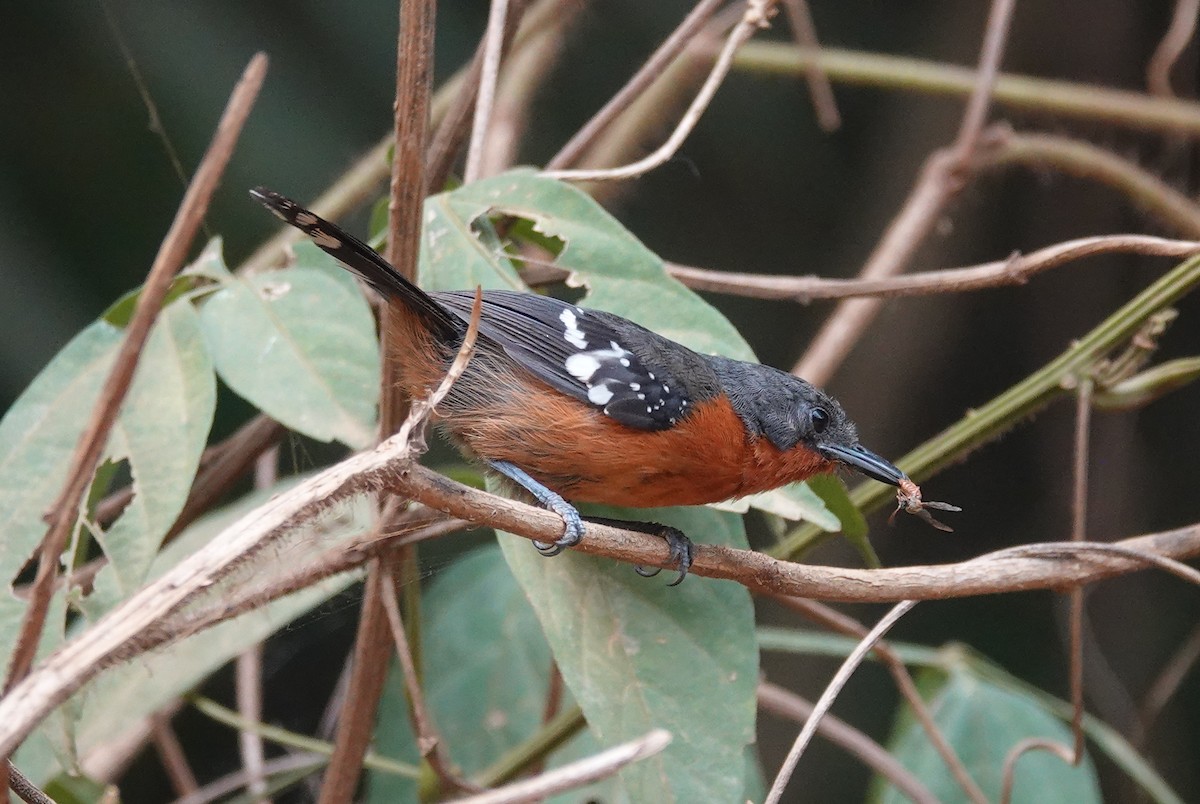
point(174, 760)
point(248, 676)
point(829, 695)
point(1083, 159)
point(1079, 519)
point(674, 44)
point(248, 667)
point(785, 703)
point(235, 781)
point(25, 789)
point(1030, 95)
point(429, 741)
point(804, 30)
point(1022, 748)
point(832, 618)
point(1016, 270)
point(757, 14)
point(941, 179)
point(1167, 683)
point(64, 513)
point(525, 72)
point(452, 133)
point(578, 773)
point(1175, 40)
point(493, 49)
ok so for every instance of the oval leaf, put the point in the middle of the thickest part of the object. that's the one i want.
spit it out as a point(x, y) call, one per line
point(299, 344)
point(637, 655)
point(982, 722)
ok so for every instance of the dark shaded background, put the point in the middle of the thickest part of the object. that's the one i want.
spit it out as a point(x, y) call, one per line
point(86, 194)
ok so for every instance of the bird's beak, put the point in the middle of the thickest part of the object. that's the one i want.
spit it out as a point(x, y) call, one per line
point(864, 461)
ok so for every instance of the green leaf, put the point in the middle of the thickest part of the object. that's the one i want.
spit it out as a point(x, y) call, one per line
point(488, 663)
point(487, 669)
point(621, 275)
point(300, 345)
point(161, 431)
point(37, 437)
point(637, 654)
point(793, 502)
point(982, 722)
point(137, 688)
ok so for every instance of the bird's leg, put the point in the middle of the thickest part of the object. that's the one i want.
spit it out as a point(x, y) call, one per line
point(682, 551)
point(572, 522)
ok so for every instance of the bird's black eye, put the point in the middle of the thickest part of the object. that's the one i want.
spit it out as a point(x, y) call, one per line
point(820, 420)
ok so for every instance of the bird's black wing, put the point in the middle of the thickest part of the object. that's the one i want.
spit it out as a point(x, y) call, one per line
point(583, 353)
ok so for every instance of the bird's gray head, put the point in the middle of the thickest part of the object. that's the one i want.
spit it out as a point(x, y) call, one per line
point(790, 412)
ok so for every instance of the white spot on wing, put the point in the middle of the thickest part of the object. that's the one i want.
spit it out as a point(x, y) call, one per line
point(599, 394)
point(582, 366)
point(573, 334)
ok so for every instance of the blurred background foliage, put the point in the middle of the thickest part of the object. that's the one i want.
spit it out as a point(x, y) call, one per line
point(86, 193)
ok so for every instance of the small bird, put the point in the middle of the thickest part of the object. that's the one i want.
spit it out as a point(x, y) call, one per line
point(573, 403)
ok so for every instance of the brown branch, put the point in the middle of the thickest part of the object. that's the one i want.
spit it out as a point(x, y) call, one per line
point(905, 685)
point(1019, 750)
point(756, 17)
point(1079, 518)
point(785, 703)
point(1174, 41)
point(414, 69)
point(137, 624)
point(674, 44)
point(941, 179)
point(64, 513)
point(429, 741)
point(1167, 683)
point(1016, 270)
point(525, 71)
point(485, 97)
point(829, 695)
point(170, 752)
point(368, 673)
point(804, 31)
point(20, 784)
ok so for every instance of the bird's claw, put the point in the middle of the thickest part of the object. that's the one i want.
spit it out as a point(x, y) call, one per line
point(681, 553)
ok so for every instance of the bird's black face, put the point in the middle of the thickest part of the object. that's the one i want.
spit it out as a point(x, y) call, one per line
point(825, 428)
point(790, 412)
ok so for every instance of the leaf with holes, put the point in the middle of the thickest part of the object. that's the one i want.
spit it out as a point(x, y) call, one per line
point(620, 274)
point(161, 432)
point(300, 345)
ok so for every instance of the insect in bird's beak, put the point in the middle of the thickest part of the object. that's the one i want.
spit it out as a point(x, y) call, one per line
point(865, 461)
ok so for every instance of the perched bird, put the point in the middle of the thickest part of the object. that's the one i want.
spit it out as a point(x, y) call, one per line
point(577, 404)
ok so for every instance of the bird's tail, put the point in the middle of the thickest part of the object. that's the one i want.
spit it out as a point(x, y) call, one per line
point(363, 261)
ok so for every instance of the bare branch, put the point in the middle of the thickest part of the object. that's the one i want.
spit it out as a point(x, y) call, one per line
point(785, 703)
point(829, 695)
point(1174, 41)
point(804, 30)
point(941, 179)
point(1016, 270)
point(757, 14)
point(674, 44)
point(831, 618)
point(174, 761)
point(578, 773)
point(493, 47)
